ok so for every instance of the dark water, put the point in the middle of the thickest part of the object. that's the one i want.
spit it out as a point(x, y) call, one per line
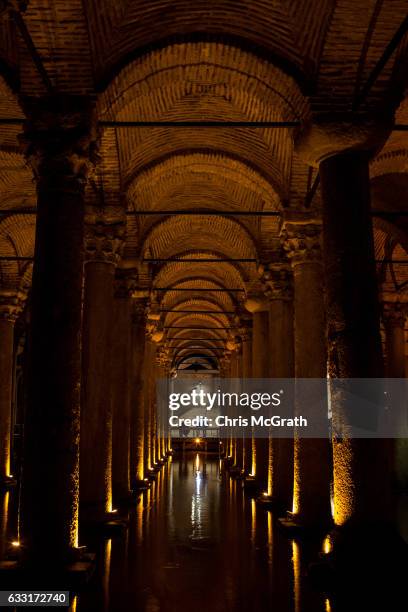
point(196, 543)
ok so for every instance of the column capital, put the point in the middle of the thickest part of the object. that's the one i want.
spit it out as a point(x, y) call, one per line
point(329, 134)
point(11, 304)
point(163, 357)
point(277, 279)
point(302, 239)
point(60, 139)
point(104, 239)
point(256, 302)
point(394, 314)
point(139, 310)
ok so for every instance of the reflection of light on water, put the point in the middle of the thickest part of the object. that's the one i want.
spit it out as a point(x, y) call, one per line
point(296, 573)
point(269, 538)
point(73, 604)
point(196, 501)
point(3, 528)
point(106, 573)
point(253, 520)
point(327, 606)
point(327, 545)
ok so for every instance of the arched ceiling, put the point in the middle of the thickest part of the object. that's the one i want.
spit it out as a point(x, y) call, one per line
point(242, 60)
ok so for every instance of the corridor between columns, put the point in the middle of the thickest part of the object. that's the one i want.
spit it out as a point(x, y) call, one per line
point(204, 196)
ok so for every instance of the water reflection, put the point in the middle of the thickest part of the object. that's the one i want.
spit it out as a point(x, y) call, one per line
point(195, 541)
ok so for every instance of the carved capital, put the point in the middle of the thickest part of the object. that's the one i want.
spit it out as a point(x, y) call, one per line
point(139, 310)
point(394, 314)
point(256, 302)
point(301, 241)
point(278, 281)
point(11, 304)
point(61, 141)
point(104, 241)
point(163, 358)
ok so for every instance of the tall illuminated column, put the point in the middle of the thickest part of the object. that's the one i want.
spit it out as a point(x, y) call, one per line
point(233, 373)
point(353, 330)
point(148, 390)
point(239, 441)
point(137, 403)
point(225, 371)
point(121, 382)
point(162, 374)
point(393, 316)
point(10, 307)
point(258, 306)
point(278, 280)
point(61, 147)
point(103, 242)
point(246, 339)
point(311, 487)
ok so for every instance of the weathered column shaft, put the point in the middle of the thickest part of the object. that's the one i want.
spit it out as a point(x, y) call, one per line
point(138, 359)
point(278, 279)
point(121, 388)
point(260, 369)
point(6, 389)
point(247, 373)
point(61, 157)
point(103, 243)
point(353, 332)
point(311, 486)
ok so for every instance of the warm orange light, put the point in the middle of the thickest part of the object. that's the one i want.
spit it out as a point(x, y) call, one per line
point(197, 440)
point(113, 511)
point(327, 545)
point(265, 494)
point(15, 543)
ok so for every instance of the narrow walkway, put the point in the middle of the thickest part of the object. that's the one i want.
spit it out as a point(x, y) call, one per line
point(197, 543)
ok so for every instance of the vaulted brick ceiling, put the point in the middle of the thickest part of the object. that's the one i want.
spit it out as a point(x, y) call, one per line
point(174, 60)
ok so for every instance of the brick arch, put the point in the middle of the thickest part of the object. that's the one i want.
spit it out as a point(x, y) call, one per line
point(202, 81)
point(391, 243)
point(178, 234)
point(17, 233)
point(290, 32)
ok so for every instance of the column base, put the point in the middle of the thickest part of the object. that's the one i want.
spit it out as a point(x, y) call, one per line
point(269, 502)
point(234, 471)
point(110, 525)
point(295, 525)
point(141, 485)
point(7, 482)
point(250, 485)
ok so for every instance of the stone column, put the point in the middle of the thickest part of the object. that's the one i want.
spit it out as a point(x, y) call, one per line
point(239, 441)
point(60, 140)
point(10, 306)
point(362, 468)
point(311, 488)
point(246, 338)
point(138, 468)
point(258, 305)
point(121, 383)
point(279, 291)
point(104, 241)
